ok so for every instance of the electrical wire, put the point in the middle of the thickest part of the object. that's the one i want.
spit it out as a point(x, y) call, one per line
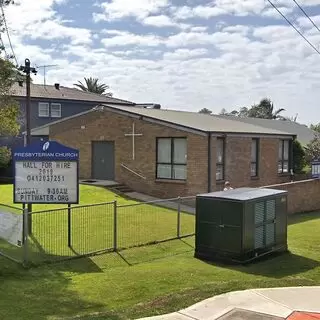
point(304, 12)
point(292, 25)
point(7, 31)
point(3, 46)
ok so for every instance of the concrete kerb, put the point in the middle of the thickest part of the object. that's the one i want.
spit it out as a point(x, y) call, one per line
point(278, 302)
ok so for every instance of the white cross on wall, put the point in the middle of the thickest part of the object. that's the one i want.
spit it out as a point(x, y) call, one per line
point(133, 135)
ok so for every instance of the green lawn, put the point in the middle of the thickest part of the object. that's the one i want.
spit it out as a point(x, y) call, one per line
point(150, 280)
point(92, 227)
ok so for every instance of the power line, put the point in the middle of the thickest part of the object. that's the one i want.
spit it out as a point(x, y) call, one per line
point(292, 25)
point(3, 47)
point(7, 31)
point(304, 12)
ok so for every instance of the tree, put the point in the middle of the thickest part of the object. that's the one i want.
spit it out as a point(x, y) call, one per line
point(93, 85)
point(299, 157)
point(313, 149)
point(205, 111)
point(223, 112)
point(315, 127)
point(9, 108)
point(265, 110)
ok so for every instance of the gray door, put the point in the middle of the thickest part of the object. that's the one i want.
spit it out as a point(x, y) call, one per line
point(103, 160)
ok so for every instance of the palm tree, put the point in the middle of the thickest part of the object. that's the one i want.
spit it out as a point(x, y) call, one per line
point(92, 85)
point(265, 110)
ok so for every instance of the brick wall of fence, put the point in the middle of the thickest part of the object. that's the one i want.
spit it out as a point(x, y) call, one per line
point(303, 196)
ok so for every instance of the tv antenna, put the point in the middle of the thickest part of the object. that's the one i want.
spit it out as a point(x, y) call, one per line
point(44, 67)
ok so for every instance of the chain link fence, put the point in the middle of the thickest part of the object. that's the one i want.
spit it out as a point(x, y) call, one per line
point(78, 231)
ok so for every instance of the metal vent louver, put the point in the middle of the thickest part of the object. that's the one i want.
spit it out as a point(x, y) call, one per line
point(271, 210)
point(258, 237)
point(259, 212)
point(270, 234)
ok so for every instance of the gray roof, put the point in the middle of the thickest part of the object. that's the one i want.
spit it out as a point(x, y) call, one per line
point(304, 134)
point(183, 119)
point(243, 194)
point(201, 122)
point(65, 93)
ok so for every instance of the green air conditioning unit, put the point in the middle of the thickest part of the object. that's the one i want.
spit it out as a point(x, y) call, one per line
point(241, 225)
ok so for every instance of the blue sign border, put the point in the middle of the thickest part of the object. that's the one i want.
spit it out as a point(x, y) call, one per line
point(45, 151)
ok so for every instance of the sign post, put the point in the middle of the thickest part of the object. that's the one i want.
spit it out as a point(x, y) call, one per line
point(46, 173)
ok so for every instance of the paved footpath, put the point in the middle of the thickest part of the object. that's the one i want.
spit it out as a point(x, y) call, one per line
point(298, 303)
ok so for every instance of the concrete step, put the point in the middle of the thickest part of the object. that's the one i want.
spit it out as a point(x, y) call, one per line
point(121, 189)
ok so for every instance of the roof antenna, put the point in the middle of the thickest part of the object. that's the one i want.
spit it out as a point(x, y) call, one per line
point(44, 67)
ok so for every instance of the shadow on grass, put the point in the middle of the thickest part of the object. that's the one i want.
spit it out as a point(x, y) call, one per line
point(303, 217)
point(146, 254)
point(38, 257)
point(277, 265)
point(41, 293)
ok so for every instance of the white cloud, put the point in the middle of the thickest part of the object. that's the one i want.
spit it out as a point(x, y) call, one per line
point(118, 9)
point(159, 21)
point(239, 8)
point(38, 20)
point(305, 22)
point(185, 12)
point(122, 38)
point(237, 29)
point(195, 67)
point(183, 54)
point(199, 29)
point(163, 21)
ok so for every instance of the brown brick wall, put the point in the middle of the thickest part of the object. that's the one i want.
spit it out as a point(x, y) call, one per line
point(110, 126)
point(303, 196)
point(238, 160)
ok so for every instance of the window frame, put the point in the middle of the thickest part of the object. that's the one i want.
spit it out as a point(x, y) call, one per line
point(171, 163)
point(222, 163)
point(55, 104)
point(256, 162)
point(281, 160)
point(48, 110)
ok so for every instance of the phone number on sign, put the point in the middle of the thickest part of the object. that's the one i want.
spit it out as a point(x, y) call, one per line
point(51, 178)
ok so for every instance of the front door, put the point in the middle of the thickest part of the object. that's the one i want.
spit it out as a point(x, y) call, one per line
point(103, 160)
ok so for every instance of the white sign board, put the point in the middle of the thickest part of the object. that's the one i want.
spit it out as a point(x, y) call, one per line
point(46, 173)
point(11, 227)
point(46, 182)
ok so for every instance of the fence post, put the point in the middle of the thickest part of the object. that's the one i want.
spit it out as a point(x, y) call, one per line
point(23, 217)
point(115, 226)
point(25, 235)
point(69, 225)
point(179, 218)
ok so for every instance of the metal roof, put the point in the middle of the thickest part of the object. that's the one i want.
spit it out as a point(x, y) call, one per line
point(64, 93)
point(243, 194)
point(183, 120)
point(304, 134)
point(201, 122)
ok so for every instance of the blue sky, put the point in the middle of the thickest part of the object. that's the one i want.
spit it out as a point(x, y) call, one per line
point(182, 54)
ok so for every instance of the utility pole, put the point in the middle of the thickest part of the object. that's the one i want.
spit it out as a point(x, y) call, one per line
point(27, 69)
point(44, 71)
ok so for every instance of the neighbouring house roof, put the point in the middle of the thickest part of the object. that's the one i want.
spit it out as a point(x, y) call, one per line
point(64, 93)
point(182, 119)
point(304, 134)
